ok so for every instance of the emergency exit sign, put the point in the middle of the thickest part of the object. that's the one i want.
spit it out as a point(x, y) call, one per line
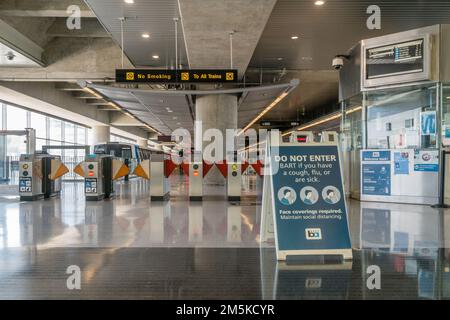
point(176, 76)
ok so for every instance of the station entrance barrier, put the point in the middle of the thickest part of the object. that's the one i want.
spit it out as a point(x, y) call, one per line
point(160, 167)
point(99, 173)
point(40, 176)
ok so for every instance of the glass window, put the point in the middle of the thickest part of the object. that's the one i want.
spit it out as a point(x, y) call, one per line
point(16, 118)
point(55, 131)
point(38, 123)
point(81, 135)
point(69, 133)
point(402, 118)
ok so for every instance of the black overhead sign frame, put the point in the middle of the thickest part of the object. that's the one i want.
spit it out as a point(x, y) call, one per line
point(176, 76)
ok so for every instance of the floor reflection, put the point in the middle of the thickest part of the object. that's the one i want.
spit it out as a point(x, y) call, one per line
point(132, 248)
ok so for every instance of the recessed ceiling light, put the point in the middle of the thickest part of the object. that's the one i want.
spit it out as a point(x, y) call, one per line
point(129, 1)
point(145, 35)
point(155, 56)
point(319, 3)
point(279, 59)
point(294, 37)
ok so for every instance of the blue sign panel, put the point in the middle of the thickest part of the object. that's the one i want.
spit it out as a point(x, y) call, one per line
point(401, 163)
point(309, 201)
point(25, 185)
point(376, 179)
point(90, 185)
point(376, 155)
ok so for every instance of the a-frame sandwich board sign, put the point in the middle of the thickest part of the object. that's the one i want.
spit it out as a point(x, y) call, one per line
point(304, 195)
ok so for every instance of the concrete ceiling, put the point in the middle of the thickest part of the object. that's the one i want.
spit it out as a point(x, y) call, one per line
point(207, 25)
point(262, 42)
point(154, 17)
point(334, 28)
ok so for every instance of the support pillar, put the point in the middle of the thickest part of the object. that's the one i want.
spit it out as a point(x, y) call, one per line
point(100, 134)
point(142, 143)
point(216, 112)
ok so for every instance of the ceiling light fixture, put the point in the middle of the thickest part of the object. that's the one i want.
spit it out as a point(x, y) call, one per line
point(155, 56)
point(280, 59)
point(267, 109)
point(319, 3)
point(294, 37)
point(129, 1)
point(145, 35)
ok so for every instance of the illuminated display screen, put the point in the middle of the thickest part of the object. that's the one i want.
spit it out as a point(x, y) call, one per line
point(302, 139)
point(395, 59)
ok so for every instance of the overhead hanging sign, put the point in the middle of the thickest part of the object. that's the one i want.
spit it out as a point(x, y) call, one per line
point(176, 76)
point(307, 200)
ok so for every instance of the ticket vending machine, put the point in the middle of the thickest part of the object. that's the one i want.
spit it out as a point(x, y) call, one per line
point(195, 181)
point(99, 172)
point(234, 180)
point(40, 176)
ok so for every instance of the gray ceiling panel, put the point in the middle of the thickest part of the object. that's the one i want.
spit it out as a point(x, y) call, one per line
point(154, 17)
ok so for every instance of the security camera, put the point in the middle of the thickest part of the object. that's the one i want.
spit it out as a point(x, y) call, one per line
point(10, 56)
point(338, 61)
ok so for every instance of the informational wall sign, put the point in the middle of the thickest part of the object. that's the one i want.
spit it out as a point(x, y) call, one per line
point(401, 163)
point(308, 200)
point(176, 76)
point(426, 160)
point(376, 172)
point(376, 179)
point(384, 155)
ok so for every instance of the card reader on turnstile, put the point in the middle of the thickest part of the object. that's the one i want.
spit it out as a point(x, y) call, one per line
point(195, 181)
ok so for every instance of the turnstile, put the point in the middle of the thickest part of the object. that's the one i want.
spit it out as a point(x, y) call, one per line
point(99, 172)
point(40, 176)
point(195, 181)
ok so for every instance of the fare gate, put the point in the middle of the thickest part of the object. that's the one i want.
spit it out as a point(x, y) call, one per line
point(99, 173)
point(40, 176)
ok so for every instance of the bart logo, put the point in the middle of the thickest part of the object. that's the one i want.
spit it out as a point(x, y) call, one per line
point(185, 76)
point(130, 76)
point(313, 234)
point(229, 76)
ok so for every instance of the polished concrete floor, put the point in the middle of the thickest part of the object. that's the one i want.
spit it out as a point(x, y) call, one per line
point(131, 248)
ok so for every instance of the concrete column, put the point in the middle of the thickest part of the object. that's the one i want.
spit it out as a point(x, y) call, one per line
point(100, 134)
point(216, 112)
point(142, 143)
